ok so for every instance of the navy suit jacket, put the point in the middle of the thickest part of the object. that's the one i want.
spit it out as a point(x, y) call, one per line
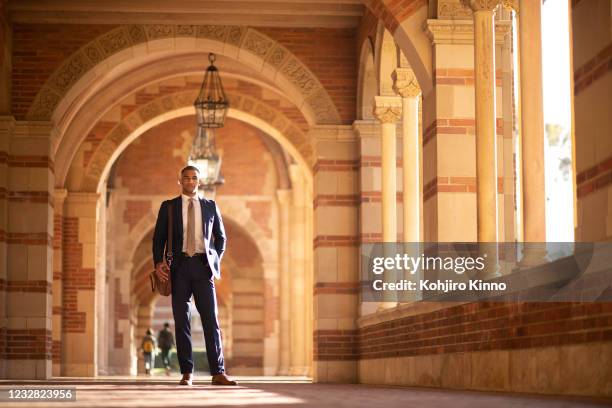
point(212, 227)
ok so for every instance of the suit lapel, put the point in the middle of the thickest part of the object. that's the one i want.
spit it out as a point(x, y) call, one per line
point(204, 217)
point(178, 223)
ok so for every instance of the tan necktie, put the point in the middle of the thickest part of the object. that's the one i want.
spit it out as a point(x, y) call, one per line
point(190, 228)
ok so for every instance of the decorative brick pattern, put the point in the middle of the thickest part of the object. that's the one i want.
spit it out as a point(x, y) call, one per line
point(335, 345)
point(26, 286)
point(488, 326)
point(469, 328)
point(39, 197)
point(455, 185)
point(336, 200)
point(135, 210)
point(27, 344)
point(330, 54)
point(460, 76)
point(75, 277)
point(465, 126)
point(594, 178)
point(30, 161)
point(33, 238)
point(38, 50)
point(335, 165)
point(335, 241)
point(592, 70)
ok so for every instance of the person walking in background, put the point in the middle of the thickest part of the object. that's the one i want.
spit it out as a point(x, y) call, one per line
point(165, 341)
point(148, 347)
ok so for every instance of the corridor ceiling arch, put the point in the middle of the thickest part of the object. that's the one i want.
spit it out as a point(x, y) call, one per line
point(81, 90)
point(269, 120)
point(100, 177)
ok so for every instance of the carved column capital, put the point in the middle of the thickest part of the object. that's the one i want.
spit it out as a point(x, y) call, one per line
point(481, 5)
point(405, 83)
point(387, 109)
point(511, 4)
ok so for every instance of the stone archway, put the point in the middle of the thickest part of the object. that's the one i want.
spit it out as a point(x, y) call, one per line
point(405, 20)
point(126, 49)
point(367, 82)
point(268, 119)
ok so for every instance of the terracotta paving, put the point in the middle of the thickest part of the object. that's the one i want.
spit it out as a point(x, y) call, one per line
point(273, 392)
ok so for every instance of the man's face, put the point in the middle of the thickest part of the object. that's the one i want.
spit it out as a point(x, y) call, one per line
point(189, 181)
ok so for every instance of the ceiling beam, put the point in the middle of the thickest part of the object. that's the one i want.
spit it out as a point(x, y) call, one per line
point(270, 13)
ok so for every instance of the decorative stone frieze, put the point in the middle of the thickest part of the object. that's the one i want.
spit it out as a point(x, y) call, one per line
point(248, 40)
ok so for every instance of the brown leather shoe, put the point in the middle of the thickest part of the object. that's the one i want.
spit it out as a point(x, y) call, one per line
point(222, 379)
point(187, 379)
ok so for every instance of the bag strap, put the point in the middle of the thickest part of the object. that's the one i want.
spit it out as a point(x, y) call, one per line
point(169, 255)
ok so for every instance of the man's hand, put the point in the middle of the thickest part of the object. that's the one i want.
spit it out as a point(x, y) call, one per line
point(162, 271)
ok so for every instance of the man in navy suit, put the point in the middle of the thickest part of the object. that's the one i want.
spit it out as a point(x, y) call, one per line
point(198, 243)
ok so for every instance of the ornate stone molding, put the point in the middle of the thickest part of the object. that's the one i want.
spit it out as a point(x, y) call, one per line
point(453, 9)
point(405, 83)
point(511, 4)
point(461, 31)
point(388, 109)
point(481, 5)
point(274, 59)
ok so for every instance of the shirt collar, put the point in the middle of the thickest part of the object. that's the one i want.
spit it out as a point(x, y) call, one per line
point(186, 198)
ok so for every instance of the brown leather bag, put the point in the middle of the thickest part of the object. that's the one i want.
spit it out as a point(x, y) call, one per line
point(164, 288)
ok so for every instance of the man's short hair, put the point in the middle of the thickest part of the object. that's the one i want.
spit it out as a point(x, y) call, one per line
point(189, 167)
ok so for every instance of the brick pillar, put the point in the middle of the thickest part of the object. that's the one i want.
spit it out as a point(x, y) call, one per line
point(58, 216)
point(79, 339)
point(119, 325)
point(29, 251)
point(6, 60)
point(336, 254)
point(6, 126)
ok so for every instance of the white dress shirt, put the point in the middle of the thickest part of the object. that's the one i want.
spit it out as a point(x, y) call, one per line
point(199, 233)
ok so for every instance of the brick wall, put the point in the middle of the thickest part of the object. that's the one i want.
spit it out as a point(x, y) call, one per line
point(39, 49)
point(150, 165)
point(330, 54)
point(471, 327)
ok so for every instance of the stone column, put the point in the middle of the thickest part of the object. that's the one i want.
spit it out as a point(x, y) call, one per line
point(29, 250)
point(486, 150)
point(486, 137)
point(405, 84)
point(298, 364)
point(388, 111)
point(532, 130)
point(79, 337)
point(284, 201)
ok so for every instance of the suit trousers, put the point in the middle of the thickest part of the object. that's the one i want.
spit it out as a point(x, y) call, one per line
point(193, 276)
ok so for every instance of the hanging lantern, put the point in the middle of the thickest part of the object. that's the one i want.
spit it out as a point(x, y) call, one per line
point(204, 156)
point(211, 105)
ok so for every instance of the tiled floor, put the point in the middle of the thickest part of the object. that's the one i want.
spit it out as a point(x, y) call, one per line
point(272, 392)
